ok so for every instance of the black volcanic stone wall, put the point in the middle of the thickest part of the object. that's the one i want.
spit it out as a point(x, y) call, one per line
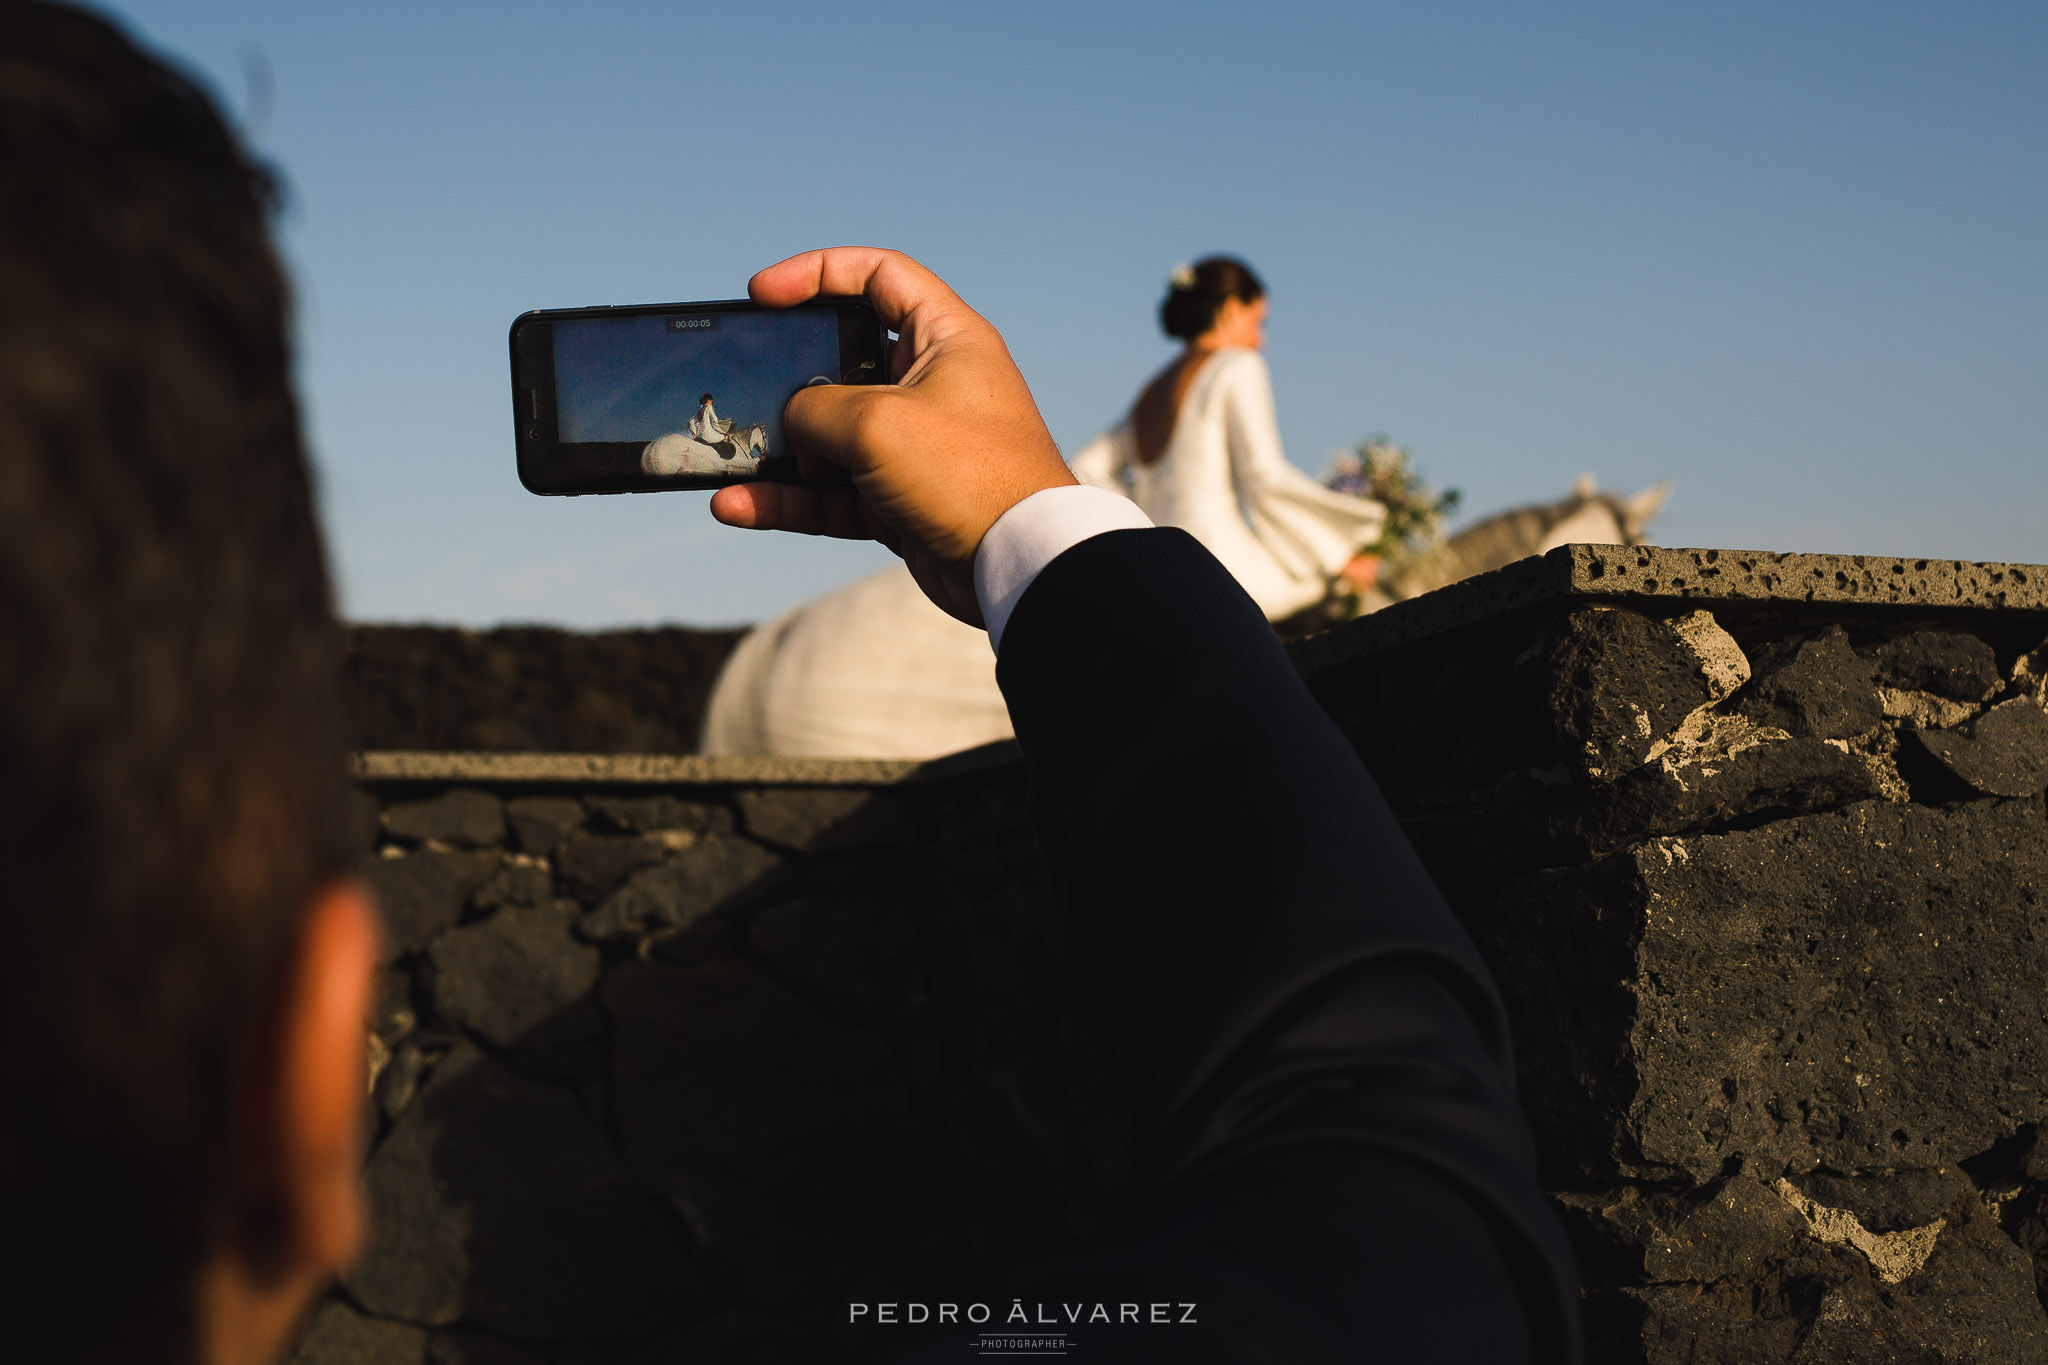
point(675, 1074)
point(533, 688)
point(1766, 889)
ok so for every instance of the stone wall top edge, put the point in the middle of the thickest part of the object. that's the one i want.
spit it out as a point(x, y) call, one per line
point(1768, 576)
point(604, 770)
point(1644, 574)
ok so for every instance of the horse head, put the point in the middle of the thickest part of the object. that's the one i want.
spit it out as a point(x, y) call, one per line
point(1588, 516)
point(1639, 510)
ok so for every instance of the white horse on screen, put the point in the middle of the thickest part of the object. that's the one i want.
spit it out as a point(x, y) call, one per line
point(738, 451)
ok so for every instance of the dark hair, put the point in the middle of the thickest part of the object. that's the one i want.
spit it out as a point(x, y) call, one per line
point(1195, 295)
point(706, 398)
point(169, 673)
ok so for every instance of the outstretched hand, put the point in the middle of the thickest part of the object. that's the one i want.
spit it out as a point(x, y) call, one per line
point(936, 456)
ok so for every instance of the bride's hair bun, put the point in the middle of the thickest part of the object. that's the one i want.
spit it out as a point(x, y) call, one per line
point(1195, 294)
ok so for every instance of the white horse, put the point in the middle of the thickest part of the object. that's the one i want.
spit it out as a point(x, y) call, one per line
point(1585, 516)
point(874, 670)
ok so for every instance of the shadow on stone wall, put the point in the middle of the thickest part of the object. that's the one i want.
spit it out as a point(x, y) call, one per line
point(675, 1075)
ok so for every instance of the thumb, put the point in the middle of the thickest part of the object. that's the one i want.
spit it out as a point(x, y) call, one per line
point(839, 424)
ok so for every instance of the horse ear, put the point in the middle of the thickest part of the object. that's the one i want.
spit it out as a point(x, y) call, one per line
point(1638, 511)
point(1585, 486)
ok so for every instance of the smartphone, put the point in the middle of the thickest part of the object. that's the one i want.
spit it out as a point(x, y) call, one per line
point(676, 395)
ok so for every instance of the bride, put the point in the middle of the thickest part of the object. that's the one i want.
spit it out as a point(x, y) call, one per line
point(874, 670)
point(707, 426)
point(1201, 450)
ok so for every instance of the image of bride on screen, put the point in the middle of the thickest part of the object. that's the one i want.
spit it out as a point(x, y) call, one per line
point(707, 426)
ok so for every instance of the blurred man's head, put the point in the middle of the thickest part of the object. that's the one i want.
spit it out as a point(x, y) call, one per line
point(178, 939)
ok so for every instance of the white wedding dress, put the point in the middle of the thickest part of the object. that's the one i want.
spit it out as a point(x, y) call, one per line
point(707, 427)
point(874, 670)
point(1224, 479)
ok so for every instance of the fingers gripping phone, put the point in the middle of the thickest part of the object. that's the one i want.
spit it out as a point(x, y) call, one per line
point(676, 395)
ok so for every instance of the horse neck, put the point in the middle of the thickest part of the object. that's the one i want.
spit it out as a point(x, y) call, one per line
point(1516, 534)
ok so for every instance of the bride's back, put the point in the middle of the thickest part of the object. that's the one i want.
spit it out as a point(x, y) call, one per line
point(1190, 482)
point(1157, 410)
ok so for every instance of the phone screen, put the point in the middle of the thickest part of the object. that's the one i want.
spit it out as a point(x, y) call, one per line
point(675, 396)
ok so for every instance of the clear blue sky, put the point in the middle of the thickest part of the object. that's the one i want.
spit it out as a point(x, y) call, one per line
point(1790, 256)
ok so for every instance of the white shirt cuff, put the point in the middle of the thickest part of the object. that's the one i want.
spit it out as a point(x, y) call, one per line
point(1034, 533)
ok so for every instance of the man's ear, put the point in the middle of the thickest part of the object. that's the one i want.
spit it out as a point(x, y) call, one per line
point(323, 1088)
point(309, 1115)
point(295, 1215)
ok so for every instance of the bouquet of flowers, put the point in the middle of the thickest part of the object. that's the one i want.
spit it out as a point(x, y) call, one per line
point(1412, 532)
point(1384, 472)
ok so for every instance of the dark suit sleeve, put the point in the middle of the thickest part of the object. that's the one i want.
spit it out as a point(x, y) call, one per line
point(1325, 1135)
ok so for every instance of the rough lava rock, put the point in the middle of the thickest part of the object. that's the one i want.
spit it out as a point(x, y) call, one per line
point(540, 822)
point(1947, 663)
point(719, 872)
point(1718, 770)
point(423, 894)
point(516, 976)
point(2003, 752)
point(661, 811)
point(1924, 710)
point(1714, 1232)
point(1852, 989)
point(2030, 675)
point(519, 880)
point(1894, 1201)
point(1746, 1272)
point(821, 819)
point(462, 815)
point(399, 1080)
point(589, 866)
point(392, 1017)
point(1722, 662)
point(1819, 688)
point(787, 1141)
point(337, 1334)
point(1611, 685)
point(495, 1202)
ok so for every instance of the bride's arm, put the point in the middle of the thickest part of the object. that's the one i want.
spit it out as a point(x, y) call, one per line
point(1258, 463)
point(1251, 426)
